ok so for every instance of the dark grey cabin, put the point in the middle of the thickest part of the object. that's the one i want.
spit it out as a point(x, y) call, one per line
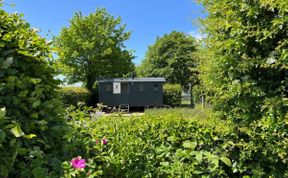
point(136, 92)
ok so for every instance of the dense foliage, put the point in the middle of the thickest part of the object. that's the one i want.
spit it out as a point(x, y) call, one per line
point(31, 127)
point(160, 144)
point(156, 144)
point(83, 141)
point(172, 94)
point(243, 70)
point(73, 95)
point(92, 48)
point(171, 56)
point(245, 58)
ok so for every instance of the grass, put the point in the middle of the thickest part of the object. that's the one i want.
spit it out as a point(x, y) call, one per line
point(185, 101)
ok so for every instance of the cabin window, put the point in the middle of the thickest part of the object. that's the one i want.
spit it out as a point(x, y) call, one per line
point(141, 88)
point(116, 88)
point(125, 87)
point(108, 88)
point(155, 87)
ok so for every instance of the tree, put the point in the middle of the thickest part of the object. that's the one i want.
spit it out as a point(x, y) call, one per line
point(246, 57)
point(171, 57)
point(92, 48)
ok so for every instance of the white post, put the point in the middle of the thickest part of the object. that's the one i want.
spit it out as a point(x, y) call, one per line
point(202, 101)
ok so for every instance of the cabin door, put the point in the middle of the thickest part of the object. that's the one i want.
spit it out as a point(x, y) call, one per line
point(125, 90)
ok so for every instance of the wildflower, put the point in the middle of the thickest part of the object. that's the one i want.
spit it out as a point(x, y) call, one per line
point(97, 141)
point(104, 141)
point(78, 163)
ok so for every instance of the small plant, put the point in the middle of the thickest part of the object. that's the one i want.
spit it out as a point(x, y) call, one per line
point(84, 139)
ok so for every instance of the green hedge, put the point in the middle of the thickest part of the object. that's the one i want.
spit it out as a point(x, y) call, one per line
point(178, 142)
point(172, 94)
point(72, 95)
point(31, 128)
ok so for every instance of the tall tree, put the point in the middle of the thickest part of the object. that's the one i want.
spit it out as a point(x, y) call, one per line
point(171, 57)
point(92, 48)
point(246, 57)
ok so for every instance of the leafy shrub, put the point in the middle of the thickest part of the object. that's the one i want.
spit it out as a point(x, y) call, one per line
point(146, 146)
point(31, 127)
point(246, 70)
point(81, 141)
point(171, 144)
point(177, 143)
point(172, 94)
point(260, 149)
point(73, 95)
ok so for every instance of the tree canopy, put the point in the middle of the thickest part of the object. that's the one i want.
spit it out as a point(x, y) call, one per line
point(92, 48)
point(171, 56)
point(245, 57)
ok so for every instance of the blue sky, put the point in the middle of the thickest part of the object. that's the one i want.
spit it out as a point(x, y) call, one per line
point(147, 19)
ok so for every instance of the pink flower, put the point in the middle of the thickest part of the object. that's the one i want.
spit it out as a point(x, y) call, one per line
point(104, 141)
point(78, 163)
point(97, 141)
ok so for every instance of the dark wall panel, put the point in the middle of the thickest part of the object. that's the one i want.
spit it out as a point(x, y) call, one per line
point(140, 94)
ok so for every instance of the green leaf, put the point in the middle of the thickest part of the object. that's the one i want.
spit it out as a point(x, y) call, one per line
point(211, 157)
point(172, 138)
point(2, 136)
point(23, 151)
point(2, 113)
point(36, 104)
point(226, 161)
point(165, 163)
point(16, 131)
point(34, 115)
point(199, 157)
point(215, 164)
point(30, 136)
point(23, 94)
point(12, 142)
point(38, 172)
point(189, 144)
point(197, 172)
point(35, 80)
